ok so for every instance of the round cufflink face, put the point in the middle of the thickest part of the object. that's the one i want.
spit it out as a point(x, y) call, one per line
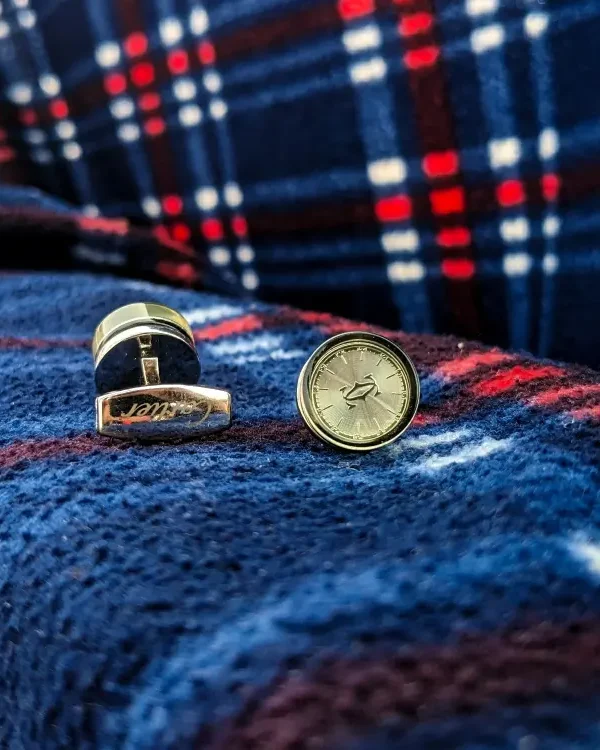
point(138, 332)
point(358, 391)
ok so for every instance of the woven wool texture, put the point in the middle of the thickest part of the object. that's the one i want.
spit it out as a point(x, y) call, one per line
point(430, 165)
point(258, 590)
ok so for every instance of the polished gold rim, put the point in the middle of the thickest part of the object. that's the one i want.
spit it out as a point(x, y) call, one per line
point(136, 314)
point(327, 350)
point(124, 334)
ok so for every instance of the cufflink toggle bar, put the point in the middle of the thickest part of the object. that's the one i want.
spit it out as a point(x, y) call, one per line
point(146, 368)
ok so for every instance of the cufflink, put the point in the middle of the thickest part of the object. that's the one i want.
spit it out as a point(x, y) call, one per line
point(146, 371)
point(358, 391)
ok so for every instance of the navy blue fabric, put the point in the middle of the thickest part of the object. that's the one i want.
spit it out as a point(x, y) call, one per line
point(192, 595)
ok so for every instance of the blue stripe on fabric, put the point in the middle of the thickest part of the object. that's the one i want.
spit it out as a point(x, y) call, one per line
point(544, 97)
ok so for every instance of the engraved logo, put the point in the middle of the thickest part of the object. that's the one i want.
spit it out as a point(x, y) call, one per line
point(360, 390)
point(158, 411)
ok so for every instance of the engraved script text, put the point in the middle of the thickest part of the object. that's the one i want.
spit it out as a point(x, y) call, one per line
point(158, 410)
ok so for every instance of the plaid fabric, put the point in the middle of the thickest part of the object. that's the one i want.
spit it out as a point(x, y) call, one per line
point(258, 590)
point(429, 164)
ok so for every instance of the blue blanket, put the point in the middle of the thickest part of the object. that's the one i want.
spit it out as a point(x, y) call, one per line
point(260, 590)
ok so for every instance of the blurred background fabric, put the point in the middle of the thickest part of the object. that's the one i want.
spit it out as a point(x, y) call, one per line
point(425, 164)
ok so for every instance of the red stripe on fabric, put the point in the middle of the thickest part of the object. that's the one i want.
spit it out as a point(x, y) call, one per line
point(550, 186)
point(59, 109)
point(239, 225)
point(11, 168)
point(345, 701)
point(588, 412)
point(136, 44)
point(464, 402)
point(395, 208)
point(513, 378)
point(206, 52)
point(183, 273)
point(7, 154)
point(271, 432)
point(442, 164)
point(82, 445)
point(423, 57)
point(461, 366)
point(333, 324)
point(115, 83)
point(246, 324)
point(166, 240)
point(558, 394)
point(341, 325)
point(212, 229)
point(315, 318)
point(39, 450)
point(340, 216)
point(458, 268)
point(256, 431)
point(172, 204)
point(142, 74)
point(349, 9)
point(417, 23)
point(155, 126)
point(118, 227)
point(145, 79)
point(149, 101)
point(433, 110)
point(424, 420)
point(454, 237)
point(181, 232)
point(178, 61)
point(28, 116)
point(21, 342)
point(288, 25)
point(511, 193)
point(450, 201)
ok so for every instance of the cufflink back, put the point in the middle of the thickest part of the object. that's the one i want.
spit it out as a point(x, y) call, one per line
point(146, 371)
point(358, 391)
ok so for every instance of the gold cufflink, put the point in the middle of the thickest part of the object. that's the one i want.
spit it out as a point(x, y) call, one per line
point(146, 371)
point(358, 391)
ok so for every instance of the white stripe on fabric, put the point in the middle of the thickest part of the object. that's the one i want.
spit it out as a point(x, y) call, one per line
point(240, 346)
point(201, 315)
point(440, 438)
point(465, 455)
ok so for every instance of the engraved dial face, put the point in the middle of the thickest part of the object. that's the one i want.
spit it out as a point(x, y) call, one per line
point(360, 391)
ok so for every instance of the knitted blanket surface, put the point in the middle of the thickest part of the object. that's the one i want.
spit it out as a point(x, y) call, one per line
point(259, 590)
